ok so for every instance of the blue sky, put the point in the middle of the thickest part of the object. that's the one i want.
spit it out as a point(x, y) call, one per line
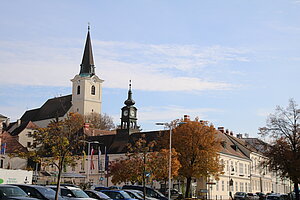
point(229, 62)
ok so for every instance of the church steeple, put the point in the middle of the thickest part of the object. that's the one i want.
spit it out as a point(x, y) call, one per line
point(87, 64)
point(129, 115)
point(129, 101)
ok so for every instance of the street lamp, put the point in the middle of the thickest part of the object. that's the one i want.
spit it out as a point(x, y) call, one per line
point(89, 152)
point(170, 154)
point(231, 172)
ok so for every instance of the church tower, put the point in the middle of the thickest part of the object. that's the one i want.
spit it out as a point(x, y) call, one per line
point(129, 114)
point(87, 86)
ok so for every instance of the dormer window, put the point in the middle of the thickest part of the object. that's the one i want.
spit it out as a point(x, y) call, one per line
point(78, 89)
point(93, 90)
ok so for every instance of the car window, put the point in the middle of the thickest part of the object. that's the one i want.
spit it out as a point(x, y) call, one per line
point(12, 192)
point(91, 194)
point(66, 192)
point(79, 193)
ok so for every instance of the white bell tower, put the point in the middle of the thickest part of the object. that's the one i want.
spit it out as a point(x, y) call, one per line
point(87, 86)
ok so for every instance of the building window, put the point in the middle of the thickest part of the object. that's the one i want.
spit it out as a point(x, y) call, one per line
point(1, 164)
point(28, 144)
point(246, 187)
point(217, 186)
point(93, 90)
point(241, 168)
point(236, 186)
point(78, 89)
point(223, 186)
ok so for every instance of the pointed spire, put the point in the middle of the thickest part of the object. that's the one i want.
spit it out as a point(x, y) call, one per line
point(87, 64)
point(129, 101)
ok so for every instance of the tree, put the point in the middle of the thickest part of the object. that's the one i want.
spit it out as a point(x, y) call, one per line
point(58, 143)
point(158, 164)
point(197, 147)
point(284, 152)
point(100, 121)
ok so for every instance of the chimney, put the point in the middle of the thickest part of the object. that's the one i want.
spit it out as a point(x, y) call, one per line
point(240, 136)
point(231, 133)
point(18, 122)
point(227, 131)
point(221, 129)
point(186, 118)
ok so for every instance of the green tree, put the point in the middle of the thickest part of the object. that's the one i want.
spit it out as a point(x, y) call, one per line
point(197, 147)
point(284, 152)
point(58, 143)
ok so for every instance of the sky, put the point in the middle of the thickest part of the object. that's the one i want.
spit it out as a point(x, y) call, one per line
point(227, 62)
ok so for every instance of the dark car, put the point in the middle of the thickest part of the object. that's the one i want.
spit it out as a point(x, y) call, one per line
point(149, 191)
point(72, 193)
point(261, 195)
point(97, 195)
point(175, 194)
point(8, 192)
point(38, 191)
point(117, 194)
point(240, 196)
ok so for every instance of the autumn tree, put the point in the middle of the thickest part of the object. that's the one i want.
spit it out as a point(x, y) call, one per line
point(158, 164)
point(197, 147)
point(100, 121)
point(58, 143)
point(284, 151)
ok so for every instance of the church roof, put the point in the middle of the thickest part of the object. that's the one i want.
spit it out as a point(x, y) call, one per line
point(2, 116)
point(55, 107)
point(87, 64)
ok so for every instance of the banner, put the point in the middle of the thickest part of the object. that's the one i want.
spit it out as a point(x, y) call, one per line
point(83, 160)
point(99, 160)
point(92, 162)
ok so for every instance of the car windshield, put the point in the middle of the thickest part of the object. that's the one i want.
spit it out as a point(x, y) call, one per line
point(12, 192)
point(102, 195)
point(125, 195)
point(240, 193)
point(273, 197)
point(79, 194)
point(47, 192)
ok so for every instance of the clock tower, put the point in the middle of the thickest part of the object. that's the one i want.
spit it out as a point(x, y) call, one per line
point(129, 114)
point(87, 86)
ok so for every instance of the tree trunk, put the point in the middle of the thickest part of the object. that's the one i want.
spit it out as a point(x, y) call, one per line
point(188, 187)
point(296, 187)
point(60, 167)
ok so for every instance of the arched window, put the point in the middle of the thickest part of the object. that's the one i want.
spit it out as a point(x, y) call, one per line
point(78, 89)
point(93, 90)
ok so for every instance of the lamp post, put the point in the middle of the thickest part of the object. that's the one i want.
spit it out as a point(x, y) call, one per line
point(231, 170)
point(170, 154)
point(89, 152)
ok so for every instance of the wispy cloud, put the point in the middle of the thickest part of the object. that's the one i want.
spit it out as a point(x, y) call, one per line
point(152, 67)
point(150, 115)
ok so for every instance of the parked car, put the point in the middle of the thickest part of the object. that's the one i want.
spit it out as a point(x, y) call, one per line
point(252, 196)
point(149, 191)
point(262, 196)
point(97, 195)
point(8, 192)
point(175, 194)
point(117, 194)
point(134, 194)
point(277, 197)
point(38, 191)
point(240, 196)
point(72, 193)
point(139, 193)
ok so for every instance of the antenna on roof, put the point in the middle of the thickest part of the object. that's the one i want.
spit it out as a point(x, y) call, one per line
point(129, 84)
point(89, 26)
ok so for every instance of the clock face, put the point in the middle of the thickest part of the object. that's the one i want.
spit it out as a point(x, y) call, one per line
point(125, 113)
point(132, 113)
